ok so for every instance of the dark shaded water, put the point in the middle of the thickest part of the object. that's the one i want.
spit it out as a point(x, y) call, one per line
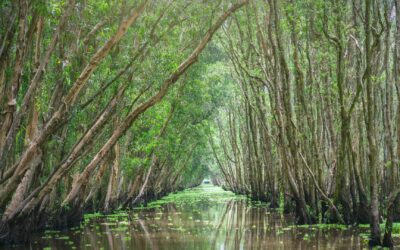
point(205, 217)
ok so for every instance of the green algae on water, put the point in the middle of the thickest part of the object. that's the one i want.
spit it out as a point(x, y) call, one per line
point(202, 194)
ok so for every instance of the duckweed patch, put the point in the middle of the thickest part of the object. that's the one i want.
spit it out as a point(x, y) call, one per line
point(206, 194)
point(118, 214)
point(51, 232)
point(395, 229)
point(92, 216)
point(66, 237)
point(322, 226)
point(306, 237)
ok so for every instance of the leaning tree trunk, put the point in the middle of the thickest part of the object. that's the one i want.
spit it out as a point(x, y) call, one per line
point(134, 114)
point(375, 238)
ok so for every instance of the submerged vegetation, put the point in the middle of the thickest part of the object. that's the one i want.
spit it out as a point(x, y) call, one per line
point(114, 106)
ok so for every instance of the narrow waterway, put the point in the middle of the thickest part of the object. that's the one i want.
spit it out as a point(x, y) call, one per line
point(205, 217)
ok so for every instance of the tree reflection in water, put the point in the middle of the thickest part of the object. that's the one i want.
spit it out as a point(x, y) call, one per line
point(205, 222)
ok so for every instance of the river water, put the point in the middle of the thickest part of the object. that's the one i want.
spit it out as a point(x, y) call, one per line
point(205, 217)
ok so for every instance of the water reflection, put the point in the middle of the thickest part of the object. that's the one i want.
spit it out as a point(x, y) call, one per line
point(207, 222)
